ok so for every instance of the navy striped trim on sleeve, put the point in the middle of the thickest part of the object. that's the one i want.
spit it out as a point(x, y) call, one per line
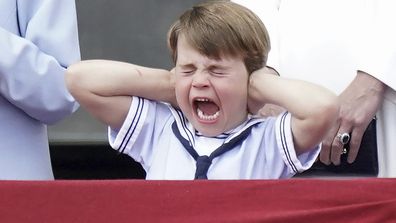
point(284, 143)
point(133, 125)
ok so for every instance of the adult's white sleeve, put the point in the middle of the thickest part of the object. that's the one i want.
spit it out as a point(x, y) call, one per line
point(378, 46)
point(33, 61)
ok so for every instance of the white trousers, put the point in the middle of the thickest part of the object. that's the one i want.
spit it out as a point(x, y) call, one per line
point(386, 135)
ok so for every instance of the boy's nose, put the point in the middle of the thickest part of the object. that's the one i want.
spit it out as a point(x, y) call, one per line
point(200, 79)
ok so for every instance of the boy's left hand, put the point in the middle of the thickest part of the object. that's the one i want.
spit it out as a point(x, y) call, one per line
point(257, 107)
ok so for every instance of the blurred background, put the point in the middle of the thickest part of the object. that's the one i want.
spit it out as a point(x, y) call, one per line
point(126, 30)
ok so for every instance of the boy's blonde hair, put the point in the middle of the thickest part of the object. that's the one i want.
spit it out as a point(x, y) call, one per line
point(223, 28)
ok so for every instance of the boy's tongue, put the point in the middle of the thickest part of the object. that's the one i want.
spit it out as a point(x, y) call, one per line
point(208, 108)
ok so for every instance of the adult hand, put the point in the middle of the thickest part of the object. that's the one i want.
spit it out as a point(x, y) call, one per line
point(358, 104)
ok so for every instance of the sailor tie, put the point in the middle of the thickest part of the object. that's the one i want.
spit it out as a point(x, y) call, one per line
point(203, 162)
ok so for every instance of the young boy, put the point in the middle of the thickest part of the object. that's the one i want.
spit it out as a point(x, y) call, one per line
point(219, 49)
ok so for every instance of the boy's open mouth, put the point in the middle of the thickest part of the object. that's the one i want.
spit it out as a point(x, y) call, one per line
point(206, 109)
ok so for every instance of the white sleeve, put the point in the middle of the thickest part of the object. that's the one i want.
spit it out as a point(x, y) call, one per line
point(378, 46)
point(141, 129)
point(123, 139)
point(284, 137)
point(268, 12)
point(33, 61)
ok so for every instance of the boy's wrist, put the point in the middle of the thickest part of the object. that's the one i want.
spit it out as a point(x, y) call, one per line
point(171, 94)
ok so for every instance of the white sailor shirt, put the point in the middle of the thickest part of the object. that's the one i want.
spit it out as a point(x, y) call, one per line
point(267, 153)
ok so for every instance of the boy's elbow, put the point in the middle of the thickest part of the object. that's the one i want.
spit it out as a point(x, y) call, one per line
point(73, 79)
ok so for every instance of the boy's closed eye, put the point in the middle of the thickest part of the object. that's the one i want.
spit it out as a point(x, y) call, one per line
point(187, 69)
point(218, 71)
point(187, 72)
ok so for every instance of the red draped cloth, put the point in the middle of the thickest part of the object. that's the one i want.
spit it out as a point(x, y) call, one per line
point(294, 200)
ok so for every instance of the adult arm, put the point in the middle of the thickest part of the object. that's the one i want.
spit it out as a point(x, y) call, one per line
point(364, 95)
point(105, 87)
point(314, 109)
point(358, 104)
point(378, 47)
point(33, 62)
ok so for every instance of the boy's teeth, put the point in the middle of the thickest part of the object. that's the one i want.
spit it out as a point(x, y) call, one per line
point(201, 115)
point(202, 99)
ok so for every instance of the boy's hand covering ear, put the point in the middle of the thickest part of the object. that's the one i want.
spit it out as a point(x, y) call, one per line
point(264, 109)
point(172, 80)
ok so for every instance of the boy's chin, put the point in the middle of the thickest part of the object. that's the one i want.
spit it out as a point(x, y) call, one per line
point(218, 127)
point(212, 130)
point(208, 130)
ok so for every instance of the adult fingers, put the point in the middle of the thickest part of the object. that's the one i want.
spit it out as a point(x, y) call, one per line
point(354, 144)
point(337, 147)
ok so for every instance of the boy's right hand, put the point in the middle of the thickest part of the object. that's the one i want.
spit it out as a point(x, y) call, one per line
point(172, 81)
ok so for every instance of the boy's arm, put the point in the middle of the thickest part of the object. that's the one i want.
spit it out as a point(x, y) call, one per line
point(104, 88)
point(314, 109)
